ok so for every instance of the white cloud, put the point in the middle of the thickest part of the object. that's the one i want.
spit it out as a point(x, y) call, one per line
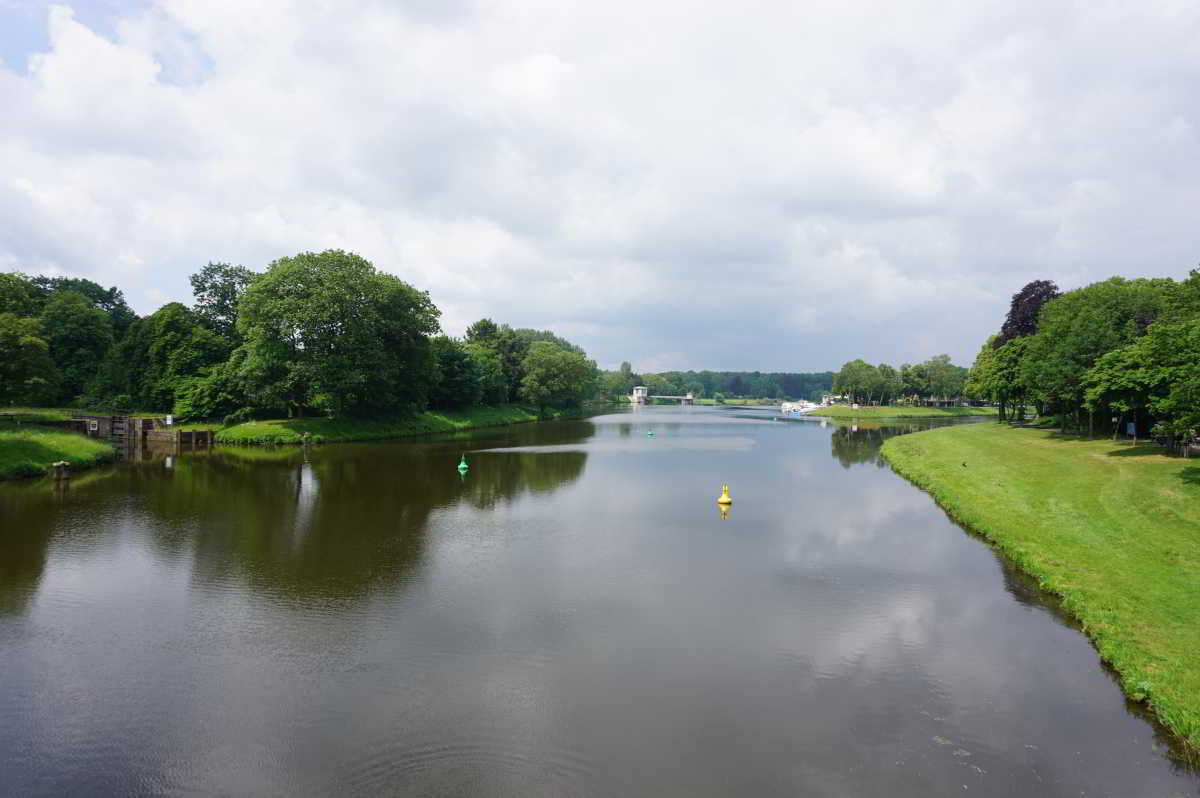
point(761, 185)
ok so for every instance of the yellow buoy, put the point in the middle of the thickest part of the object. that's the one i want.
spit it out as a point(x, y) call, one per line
point(724, 499)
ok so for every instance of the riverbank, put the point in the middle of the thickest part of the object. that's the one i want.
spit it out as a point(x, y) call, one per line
point(1109, 527)
point(29, 451)
point(901, 411)
point(330, 430)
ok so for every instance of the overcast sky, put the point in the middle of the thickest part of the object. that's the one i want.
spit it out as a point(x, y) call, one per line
point(752, 185)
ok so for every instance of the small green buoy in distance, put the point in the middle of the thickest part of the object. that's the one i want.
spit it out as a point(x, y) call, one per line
point(649, 433)
point(462, 465)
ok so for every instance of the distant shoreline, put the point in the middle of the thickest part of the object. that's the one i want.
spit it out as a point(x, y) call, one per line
point(898, 411)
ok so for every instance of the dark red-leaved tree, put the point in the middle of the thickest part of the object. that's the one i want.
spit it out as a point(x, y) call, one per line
point(1023, 313)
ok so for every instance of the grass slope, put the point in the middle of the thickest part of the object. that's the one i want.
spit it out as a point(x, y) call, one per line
point(354, 429)
point(29, 451)
point(900, 411)
point(1113, 529)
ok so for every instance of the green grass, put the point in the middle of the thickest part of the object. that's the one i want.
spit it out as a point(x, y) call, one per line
point(33, 415)
point(355, 429)
point(1111, 528)
point(29, 451)
point(902, 411)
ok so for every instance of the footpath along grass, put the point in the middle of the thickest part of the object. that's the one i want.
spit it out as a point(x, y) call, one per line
point(1113, 529)
point(354, 429)
point(28, 451)
point(900, 411)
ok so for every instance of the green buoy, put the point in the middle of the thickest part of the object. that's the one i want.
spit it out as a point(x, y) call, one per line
point(650, 433)
point(462, 465)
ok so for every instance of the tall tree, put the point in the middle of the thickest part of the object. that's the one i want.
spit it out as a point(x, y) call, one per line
point(1077, 328)
point(159, 356)
point(1023, 313)
point(555, 377)
point(79, 334)
point(218, 288)
point(328, 328)
point(110, 300)
point(458, 383)
point(16, 295)
point(25, 365)
point(493, 384)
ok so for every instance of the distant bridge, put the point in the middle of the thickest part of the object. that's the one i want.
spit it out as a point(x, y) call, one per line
point(641, 395)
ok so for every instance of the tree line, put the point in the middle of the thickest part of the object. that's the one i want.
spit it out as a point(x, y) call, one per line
point(313, 333)
point(718, 384)
point(936, 381)
point(1101, 357)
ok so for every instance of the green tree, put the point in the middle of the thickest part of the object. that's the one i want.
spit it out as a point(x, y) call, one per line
point(555, 377)
point(16, 295)
point(25, 365)
point(110, 300)
point(218, 288)
point(493, 384)
point(1076, 329)
point(482, 332)
point(159, 355)
point(890, 384)
point(79, 334)
point(328, 328)
point(458, 384)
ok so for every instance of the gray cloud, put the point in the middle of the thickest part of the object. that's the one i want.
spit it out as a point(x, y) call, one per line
point(756, 186)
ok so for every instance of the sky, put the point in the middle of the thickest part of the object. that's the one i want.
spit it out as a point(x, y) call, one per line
point(776, 186)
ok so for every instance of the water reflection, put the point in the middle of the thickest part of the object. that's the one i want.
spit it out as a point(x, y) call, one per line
point(568, 617)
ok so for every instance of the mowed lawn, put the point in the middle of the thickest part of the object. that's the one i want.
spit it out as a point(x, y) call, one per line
point(28, 451)
point(902, 411)
point(1112, 528)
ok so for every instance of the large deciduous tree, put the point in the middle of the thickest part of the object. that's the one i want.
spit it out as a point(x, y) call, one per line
point(17, 295)
point(218, 288)
point(161, 354)
point(328, 329)
point(458, 384)
point(1079, 327)
point(1024, 310)
point(79, 334)
point(25, 365)
point(110, 300)
point(555, 377)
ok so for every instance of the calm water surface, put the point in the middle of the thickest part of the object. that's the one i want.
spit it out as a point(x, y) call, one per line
point(572, 617)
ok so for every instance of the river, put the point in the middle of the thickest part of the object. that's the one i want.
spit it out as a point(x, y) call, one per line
point(572, 617)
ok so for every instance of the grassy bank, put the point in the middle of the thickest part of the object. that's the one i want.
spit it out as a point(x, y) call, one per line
point(1109, 527)
point(354, 429)
point(29, 451)
point(900, 411)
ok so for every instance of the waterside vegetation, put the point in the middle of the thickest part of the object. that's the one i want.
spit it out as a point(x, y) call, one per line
point(1109, 527)
point(328, 430)
point(324, 335)
point(28, 451)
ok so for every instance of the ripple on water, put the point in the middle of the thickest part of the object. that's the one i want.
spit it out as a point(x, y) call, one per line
point(454, 763)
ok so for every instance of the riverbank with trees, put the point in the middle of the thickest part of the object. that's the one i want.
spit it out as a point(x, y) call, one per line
point(936, 382)
point(1109, 527)
point(717, 387)
point(316, 335)
point(1118, 357)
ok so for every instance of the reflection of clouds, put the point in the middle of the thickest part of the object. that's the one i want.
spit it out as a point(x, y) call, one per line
point(858, 633)
point(586, 631)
